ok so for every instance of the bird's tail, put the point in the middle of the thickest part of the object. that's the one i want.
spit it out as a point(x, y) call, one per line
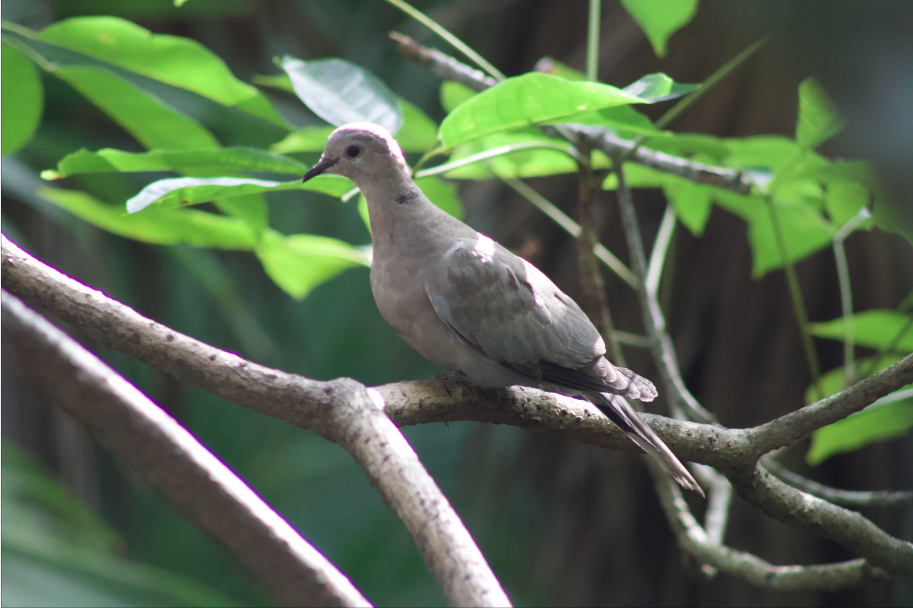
point(622, 414)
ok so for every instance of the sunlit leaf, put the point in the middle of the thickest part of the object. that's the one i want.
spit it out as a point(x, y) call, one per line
point(659, 19)
point(818, 117)
point(873, 424)
point(341, 92)
point(658, 87)
point(183, 191)
point(692, 203)
point(872, 328)
point(23, 100)
point(523, 100)
point(453, 94)
point(150, 120)
point(301, 262)
point(181, 62)
point(227, 160)
point(156, 226)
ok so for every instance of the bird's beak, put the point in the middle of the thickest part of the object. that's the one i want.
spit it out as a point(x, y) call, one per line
point(322, 166)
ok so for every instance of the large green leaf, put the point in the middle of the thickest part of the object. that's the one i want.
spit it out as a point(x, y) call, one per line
point(804, 230)
point(692, 202)
point(873, 424)
point(162, 227)
point(818, 118)
point(151, 121)
point(183, 191)
point(519, 160)
point(659, 19)
point(340, 92)
point(174, 60)
point(872, 328)
point(223, 160)
point(523, 100)
point(300, 262)
point(23, 100)
point(418, 134)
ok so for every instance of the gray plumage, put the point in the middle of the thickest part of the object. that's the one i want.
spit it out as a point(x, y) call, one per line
point(464, 301)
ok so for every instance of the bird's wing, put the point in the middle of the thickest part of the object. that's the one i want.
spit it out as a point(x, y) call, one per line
point(509, 310)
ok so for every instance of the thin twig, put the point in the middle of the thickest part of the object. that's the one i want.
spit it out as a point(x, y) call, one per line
point(847, 498)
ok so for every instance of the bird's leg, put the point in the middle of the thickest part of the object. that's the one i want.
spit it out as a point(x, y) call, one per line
point(454, 378)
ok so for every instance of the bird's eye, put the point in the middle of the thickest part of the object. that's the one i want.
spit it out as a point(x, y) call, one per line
point(353, 151)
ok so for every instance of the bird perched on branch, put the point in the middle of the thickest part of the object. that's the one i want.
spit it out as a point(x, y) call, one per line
point(464, 301)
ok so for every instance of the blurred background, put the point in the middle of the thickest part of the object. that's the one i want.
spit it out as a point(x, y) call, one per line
point(560, 523)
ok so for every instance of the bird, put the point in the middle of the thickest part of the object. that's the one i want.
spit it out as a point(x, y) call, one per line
point(467, 303)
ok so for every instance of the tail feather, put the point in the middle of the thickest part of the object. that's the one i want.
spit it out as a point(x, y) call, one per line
point(622, 414)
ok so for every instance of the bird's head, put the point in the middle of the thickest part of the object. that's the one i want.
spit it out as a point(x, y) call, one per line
point(360, 151)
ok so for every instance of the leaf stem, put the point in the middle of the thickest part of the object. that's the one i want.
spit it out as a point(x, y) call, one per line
point(592, 42)
point(443, 33)
point(795, 292)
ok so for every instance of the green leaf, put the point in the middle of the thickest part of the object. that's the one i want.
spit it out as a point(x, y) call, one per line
point(834, 381)
point(183, 191)
point(301, 262)
point(305, 139)
point(419, 132)
point(659, 19)
point(872, 328)
point(453, 94)
point(524, 162)
point(692, 203)
point(843, 201)
point(341, 92)
point(804, 230)
point(873, 424)
point(527, 99)
point(156, 226)
point(658, 87)
point(442, 193)
point(550, 65)
point(818, 117)
point(151, 121)
point(180, 62)
point(251, 208)
point(220, 160)
point(23, 100)
point(624, 119)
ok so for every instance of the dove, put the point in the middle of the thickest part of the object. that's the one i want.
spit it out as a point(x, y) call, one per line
point(463, 301)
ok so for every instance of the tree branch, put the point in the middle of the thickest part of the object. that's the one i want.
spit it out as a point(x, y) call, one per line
point(847, 498)
point(693, 539)
point(342, 411)
point(172, 460)
point(326, 407)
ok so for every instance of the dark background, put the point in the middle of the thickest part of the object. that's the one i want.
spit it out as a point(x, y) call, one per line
point(561, 523)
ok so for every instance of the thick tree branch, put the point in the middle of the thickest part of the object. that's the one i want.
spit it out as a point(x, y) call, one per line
point(341, 410)
point(321, 406)
point(172, 460)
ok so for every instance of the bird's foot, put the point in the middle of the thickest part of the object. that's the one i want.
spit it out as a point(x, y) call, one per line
point(453, 379)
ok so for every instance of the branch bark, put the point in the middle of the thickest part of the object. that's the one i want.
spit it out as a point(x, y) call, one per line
point(327, 407)
point(172, 460)
point(341, 410)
